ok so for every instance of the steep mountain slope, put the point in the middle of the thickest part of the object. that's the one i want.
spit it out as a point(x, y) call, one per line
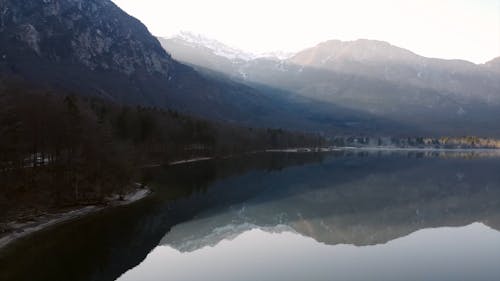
point(91, 45)
point(440, 96)
point(209, 53)
point(213, 56)
point(93, 48)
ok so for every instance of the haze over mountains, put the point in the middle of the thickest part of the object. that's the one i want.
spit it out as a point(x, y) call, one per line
point(94, 48)
point(362, 87)
point(434, 95)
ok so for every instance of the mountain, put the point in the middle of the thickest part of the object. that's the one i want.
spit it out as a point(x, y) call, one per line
point(364, 87)
point(330, 52)
point(198, 50)
point(494, 64)
point(64, 43)
point(380, 60)
point(202, 42)
point(93, 48)
point(442, 97)
point(214, 55)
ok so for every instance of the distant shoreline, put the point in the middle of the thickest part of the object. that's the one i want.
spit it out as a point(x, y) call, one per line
point(443, 149)
point(382, 148)
point(328, 149)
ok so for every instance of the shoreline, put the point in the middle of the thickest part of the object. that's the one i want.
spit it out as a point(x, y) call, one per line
point(191, 160)
point(22, 229)
point(380, 148)
point(441, 149)
point(327, 149)
point(19, 230)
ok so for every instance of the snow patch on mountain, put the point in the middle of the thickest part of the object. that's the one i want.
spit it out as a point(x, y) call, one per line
point(224, 50)
point(279, 55)
point(217, 47)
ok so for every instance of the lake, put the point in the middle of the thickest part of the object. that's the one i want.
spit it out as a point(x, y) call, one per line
point(344, 215)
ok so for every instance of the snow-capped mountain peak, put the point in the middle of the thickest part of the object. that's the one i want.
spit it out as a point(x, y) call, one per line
point(278, 55)
point(217, 47)
point(224, 50)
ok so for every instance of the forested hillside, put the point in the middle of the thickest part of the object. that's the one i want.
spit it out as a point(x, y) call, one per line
point(59, 150)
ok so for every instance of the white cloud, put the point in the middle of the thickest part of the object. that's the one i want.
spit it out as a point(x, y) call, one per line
point(447, 28)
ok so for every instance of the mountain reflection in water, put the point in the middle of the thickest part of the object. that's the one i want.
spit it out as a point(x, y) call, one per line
point(346, 215)
point(465, 253)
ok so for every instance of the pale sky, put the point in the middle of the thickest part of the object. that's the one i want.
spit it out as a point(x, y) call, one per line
point(451, 29)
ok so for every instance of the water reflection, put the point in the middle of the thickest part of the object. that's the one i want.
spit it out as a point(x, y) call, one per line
point(356, 201)
point(346, 197)
point(466, 253)
point(102, 246)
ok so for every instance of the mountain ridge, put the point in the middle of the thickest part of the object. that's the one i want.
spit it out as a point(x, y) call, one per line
point(198, 39)
point(222, 49)
point(93, 48)
point(448, 97)
point(358, 50)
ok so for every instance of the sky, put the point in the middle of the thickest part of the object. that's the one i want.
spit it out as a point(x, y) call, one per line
point(450, 29)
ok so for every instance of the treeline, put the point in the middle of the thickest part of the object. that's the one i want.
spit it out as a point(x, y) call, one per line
point(60, 150)
point(423, 142)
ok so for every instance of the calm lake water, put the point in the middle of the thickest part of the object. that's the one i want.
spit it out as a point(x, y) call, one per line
point(348, 215)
